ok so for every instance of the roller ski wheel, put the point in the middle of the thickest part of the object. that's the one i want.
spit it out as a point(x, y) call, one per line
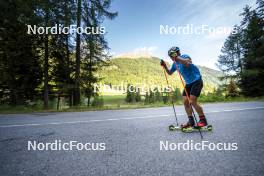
point(188, 129)
point(174, 128)
point(208, 128)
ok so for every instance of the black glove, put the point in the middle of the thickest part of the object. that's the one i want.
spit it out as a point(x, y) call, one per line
point(162, 63)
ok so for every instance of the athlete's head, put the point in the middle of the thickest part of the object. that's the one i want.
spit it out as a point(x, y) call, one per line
point(174, 51)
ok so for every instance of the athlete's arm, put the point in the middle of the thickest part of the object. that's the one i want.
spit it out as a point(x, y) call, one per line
point(168, 71)
point(162, 63)
point(185, 62)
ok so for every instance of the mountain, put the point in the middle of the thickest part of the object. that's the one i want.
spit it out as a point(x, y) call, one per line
point(134, 55)
point(148, 72)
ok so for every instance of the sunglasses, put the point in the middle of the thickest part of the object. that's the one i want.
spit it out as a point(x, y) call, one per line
point(174, 54)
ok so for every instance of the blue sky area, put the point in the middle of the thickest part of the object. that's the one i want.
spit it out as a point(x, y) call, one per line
point(137, 27)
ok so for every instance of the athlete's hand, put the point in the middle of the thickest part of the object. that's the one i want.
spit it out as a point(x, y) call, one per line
point(187, 62)
point(162, 63)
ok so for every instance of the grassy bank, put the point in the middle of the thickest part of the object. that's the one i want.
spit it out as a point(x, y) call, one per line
point(112, 102)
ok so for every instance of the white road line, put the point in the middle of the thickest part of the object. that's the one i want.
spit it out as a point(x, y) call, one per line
point(230, 110)
point(83, 121)
point(117, 119)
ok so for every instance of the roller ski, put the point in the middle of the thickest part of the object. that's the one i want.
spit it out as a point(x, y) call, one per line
point(190, 129)
point(190, 123)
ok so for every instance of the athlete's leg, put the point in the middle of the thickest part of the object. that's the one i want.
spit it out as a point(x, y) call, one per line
point(188, 110)
point(202, 122)
point(194, 94)
point(197, 107)
point(187, 106)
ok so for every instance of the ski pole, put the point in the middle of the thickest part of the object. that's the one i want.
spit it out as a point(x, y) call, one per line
point(171, 98)
point(188, 98)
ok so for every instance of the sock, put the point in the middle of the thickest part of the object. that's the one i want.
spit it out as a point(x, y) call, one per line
point(191, 120)
point(202, 117)
point(190, 117)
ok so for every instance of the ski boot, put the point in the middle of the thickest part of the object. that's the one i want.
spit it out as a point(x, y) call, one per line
point(202, 122)
point(189, 124)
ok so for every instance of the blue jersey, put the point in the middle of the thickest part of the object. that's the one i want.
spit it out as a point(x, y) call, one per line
point(190, 73)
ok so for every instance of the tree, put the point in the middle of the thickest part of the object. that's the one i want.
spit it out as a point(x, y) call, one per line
point(56, 50)
point(130, 95)
point(260, 8)
point(77, 93)
point(96, 47)
point(157, 94)
point(137, 96)
point(46, 55)
point(20, 70)
point(231, 58)
point(62, 52)
point(251, 81)
point(243, 53)
point(151, 97)
point(165, 98)
point(147, 98)
point(232, 89)
point(43, 64)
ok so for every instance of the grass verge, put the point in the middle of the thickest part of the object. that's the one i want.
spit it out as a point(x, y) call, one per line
point(118, 102)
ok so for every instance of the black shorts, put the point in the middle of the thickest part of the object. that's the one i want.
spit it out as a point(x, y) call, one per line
point(194, 88)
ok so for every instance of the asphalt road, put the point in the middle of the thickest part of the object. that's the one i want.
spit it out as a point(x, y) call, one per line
point(132, 142)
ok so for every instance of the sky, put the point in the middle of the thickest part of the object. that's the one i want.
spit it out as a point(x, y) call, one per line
point(136, 29)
